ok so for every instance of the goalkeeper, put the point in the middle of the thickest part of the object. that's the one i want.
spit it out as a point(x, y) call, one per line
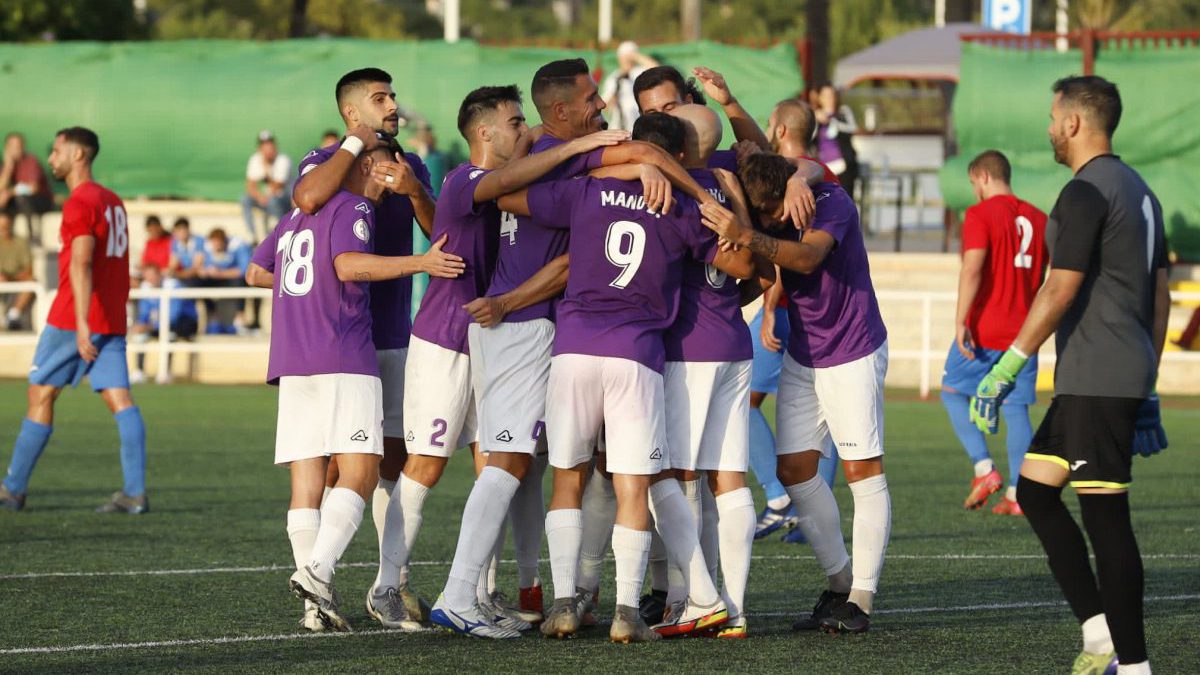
point(1106, 300)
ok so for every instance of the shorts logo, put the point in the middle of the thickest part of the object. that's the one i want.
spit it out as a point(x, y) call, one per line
point(504, 436)
point(359, 435)
point(1078, 463)
point(410, 437)
point(657, 454)
point(847, 444)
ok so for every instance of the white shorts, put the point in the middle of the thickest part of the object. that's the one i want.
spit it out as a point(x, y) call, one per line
point(708, 414)
point(843, 402)
point(510, 366)
point(332, 414)
point(391, 372)
point(623, 398)
point(439, 406)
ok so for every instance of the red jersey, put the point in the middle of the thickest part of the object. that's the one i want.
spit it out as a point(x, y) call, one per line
point(158, 252)
point(830, 176)
point(1013, 233)
point(93, 210)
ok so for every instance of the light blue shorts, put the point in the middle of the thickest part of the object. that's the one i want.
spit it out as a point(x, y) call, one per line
point(57, 362)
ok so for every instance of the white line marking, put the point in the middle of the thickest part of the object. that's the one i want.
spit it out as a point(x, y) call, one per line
point(284, 637)
point(446, 563)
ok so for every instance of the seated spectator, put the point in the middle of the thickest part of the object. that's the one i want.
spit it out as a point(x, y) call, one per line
point(182, 319)
point(187, 252)
point(268, 186)
point(225, 263)
point(24, 187)
point(158, 245)
point(16, 264)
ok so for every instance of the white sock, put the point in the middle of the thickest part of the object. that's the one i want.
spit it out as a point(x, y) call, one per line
point(527, 514)
point(872, 525)
point(599, 513)
point(983, 467)
point(709, 534)
point(341, 515)
point(821, 524)
point(736, 525)
point(674, 522)
point(481, 520)
point(487, 576)
point(379, 504)
point(658, 562)
point(691, 492)
point(400, 529)
point(779, 503)
point(1096, 638)
point(631, 548)
point(564, 535)
point(302, 526)
point(1010, 493)
point(1142, 668)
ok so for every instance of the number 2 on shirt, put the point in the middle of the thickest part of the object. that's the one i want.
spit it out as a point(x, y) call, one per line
point(624, 245)
point(1025, 229)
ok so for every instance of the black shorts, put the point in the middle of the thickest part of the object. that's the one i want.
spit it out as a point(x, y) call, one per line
point(1089, 436)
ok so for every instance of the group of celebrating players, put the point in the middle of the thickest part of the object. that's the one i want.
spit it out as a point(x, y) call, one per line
point(584, 312)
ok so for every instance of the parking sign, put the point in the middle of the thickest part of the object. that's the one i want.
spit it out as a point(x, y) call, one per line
point(1010, 16)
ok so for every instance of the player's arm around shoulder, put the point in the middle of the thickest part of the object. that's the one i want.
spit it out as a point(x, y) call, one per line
point(354, 260)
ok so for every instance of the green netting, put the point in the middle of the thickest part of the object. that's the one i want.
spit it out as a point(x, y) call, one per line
point(180, 118)
point(1003, 102)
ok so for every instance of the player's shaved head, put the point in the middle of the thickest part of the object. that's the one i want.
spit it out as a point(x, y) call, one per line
point(663, 130)
point(1095, 99)
point(556, 82)
point(356, 79)
point(993, 163)
point(797, 117)
point(703, 129)
point(481, 102)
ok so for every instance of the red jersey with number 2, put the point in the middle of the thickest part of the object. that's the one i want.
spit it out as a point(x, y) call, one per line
point(93, 210)
point(1013, 233)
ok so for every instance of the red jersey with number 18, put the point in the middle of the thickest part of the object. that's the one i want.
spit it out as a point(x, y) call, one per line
point(93, 210)
point(1013, 233)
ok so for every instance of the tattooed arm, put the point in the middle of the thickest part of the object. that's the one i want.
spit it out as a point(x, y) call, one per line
point(356, 266)
point(802, 256)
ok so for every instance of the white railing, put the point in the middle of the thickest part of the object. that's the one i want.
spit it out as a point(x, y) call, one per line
point(927, 354)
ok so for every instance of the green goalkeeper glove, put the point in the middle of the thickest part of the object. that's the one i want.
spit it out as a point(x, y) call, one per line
point(985, 405)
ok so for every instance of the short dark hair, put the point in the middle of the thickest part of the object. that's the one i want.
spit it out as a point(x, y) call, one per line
point(358, 77)
point(652, 77)
point(483, 100)
point(765, 177)
point(1095, 96)
point(554, 77)
point(84, 138)
point(153, 220)
point(993, 163)
point(387, 142)
point(665, 131)
point(181, 222)
point(218, 233)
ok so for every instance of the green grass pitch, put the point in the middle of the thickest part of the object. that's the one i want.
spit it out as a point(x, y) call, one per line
point(961, 592)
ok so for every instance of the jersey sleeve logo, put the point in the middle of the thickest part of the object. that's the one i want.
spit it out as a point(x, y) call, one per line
point(361, 230)
point(474, 174)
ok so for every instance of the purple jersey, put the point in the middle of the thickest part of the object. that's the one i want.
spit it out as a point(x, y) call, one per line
point(832, 311)
point(626, 265)
point(320, 324)
point(391, 301)
point(474, 230)
point(723, 159)
point(526, 246)
point(709, 326)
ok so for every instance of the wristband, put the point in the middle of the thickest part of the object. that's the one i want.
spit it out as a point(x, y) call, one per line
point(352, 145)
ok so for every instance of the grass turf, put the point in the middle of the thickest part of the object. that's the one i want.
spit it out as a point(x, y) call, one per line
point(950, 602)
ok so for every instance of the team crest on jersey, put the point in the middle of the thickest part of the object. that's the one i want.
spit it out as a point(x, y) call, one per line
point(716, 278)
point(474, 174)
point(361, 231)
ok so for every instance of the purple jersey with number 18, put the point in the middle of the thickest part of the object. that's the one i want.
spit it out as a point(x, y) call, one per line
point(319, 324)
point(626, 265)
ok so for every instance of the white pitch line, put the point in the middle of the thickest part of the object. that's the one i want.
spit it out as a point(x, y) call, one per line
point(443, 563)
point(285, 637)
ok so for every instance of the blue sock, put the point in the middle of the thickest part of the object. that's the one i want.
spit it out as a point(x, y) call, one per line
point(958, 407)
point(133, 450)
point(762, 455)
point(29, 446)
point(1019, 434)
point(827, 467)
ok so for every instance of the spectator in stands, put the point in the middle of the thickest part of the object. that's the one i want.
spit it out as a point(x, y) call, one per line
point(835, 130)
point(16, 264)
point(187, 252)
point(24, 187)
point(225, 263)
point(158, 245)
point(268, 186)
point(424, 144)
point(329, 138)
point(617, 91)
point(182, 319)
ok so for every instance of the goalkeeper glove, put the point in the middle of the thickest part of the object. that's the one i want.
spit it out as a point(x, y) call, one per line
point(1148, 436)
point(985, 405)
